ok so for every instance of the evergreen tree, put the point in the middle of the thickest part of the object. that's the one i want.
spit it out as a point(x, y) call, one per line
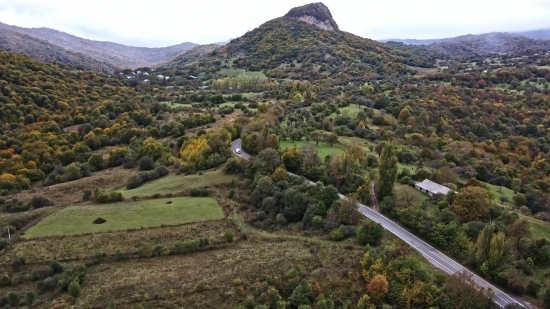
point(387, 172)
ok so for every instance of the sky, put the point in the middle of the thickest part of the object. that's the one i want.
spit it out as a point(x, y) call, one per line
point(157, 23)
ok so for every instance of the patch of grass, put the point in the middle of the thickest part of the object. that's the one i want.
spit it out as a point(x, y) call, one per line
point(175, 105)
point(240, 72)
point(252, 94)
point(351, 111)
point(499, 192)
point(76, 220)
point(177, 183)
point(323, 149)
point(539, 229)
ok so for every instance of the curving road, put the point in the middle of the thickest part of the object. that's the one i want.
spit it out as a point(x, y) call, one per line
point(435, 257)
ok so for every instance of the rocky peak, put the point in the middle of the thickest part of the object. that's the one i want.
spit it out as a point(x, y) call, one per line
point(316, 14)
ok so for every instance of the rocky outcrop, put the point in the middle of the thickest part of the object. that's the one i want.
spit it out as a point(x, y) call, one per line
point(316, 14)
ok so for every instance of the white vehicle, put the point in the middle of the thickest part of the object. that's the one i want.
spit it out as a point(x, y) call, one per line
point(238, 150)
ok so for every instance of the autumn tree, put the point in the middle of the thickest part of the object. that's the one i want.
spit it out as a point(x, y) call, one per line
point(464, 293)
point(519, 229)
point(387, 170)
point(405, 197)
point(377, 287)
point(471, 203)
point(292, 159)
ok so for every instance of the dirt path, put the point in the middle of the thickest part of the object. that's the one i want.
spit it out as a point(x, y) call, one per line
point(373, 197)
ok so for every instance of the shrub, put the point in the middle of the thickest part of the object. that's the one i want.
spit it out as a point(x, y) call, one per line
point(74, 288)
point(5, 280)
point(120, 256)
point(29, 297)
point(201, 287)
point(109, 197)
point(35, 175)
point(55, 268)
point(146, 164)
point(133, 182)
point(231, 193)
point(336, 235)
point(199, 192)
point(280, 219)
point(77, 273)
point(228, 235)
point(39, 202)
point(13, 299)
point(48, 284)
point(3, 244)
point(87, 195)
point(370, 233)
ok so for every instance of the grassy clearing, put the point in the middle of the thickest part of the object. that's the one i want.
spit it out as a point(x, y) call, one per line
point(240, 72)
point(323, 149)
point(350, 110)
point(539, 229)
point(76, 220)
point(175, 105)
point(252, 94)
point(178, 183)
point(499, 192)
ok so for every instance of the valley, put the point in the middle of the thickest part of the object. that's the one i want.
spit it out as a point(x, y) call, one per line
point(284, 169)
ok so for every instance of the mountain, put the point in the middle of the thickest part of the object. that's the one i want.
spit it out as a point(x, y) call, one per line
point(43, 51)
point(316, 14)
point(194, 54)
point(24, 40)
point(494, 42)
point(541, 34)
point(295, 47)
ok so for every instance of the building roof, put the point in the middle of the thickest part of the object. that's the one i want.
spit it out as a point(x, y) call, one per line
point(433, 187)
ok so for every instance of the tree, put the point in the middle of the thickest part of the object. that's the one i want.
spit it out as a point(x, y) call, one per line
point(483, 245)
point(317, 136)
point(272, 141)
point(347, 211)
point(519, 229)
point(403, 116)
point(146, 164)
point(370, 233)
point(405, 197)
point(387, 171)
point(74, 288)
point(279, 174)
point(377, 287)
point(546, 298)
point(446, 175)
point(73, 172)
point(269, 160)
point(464, 293)
point(331, 139)
point(496, 251)
point(96, 162)
point(471, 204)
point(302, 295)
point(292, 159)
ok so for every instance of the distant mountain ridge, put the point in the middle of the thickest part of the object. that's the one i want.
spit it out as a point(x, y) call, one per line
point(65, 46)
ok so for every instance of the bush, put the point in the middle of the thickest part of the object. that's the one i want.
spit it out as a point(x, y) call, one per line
point(87, 195)
point(109, 197)
point(370, 233)
point(39, 202)
point(77, 273)
point(146, 164)
point(133, 182)
point(201, 287)
point(280, 219)
point(29, 297)
point(74, 288)
point(120, 256)
point(3, 244)
point(336, 235)
point(13, 299)
point(48, 284)
point(5, 280)
point(199, 192)
point(228, 235)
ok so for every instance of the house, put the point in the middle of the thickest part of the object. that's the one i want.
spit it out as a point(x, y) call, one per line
point(145, 81)
point(203, 87)
point(431, 188)
point(145, 74)
point(160, 76)
point(138, 72)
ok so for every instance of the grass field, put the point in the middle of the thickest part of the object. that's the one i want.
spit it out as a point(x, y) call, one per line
point(177, 183)
point(539, 229)
point(351, 111)
point(323, 149)
point(75, 220)
point(505, 192)
point(175, 105)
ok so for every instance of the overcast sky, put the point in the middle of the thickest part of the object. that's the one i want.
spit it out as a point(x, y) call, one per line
point(156, 23)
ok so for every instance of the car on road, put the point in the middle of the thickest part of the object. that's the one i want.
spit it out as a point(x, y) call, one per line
point(238, 150)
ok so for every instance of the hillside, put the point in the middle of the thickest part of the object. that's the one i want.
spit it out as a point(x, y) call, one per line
point(494, 42)
point(286, 47)
point(24, 40)
point(542, 34)
point(45, 52)
point(194, 54)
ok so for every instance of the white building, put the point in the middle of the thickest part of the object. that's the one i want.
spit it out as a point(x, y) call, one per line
point(160, 76)
point(145, 81)
point(431, 188)
point(145, 74)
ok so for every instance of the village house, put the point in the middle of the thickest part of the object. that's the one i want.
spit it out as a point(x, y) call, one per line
point(431, 188)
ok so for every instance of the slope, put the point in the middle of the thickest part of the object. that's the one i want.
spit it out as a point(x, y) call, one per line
point(194, 54)
point(115, 55)
point(43, 51)
point(288, 47)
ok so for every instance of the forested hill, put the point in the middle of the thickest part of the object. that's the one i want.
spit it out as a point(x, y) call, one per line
point(289, 47)
point(43, 51)
point(46, 45)
point(38, 102)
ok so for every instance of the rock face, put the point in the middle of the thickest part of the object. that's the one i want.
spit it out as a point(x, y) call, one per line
point(316, 14)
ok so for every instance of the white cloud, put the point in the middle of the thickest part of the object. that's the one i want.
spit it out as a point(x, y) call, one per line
point(165, 22)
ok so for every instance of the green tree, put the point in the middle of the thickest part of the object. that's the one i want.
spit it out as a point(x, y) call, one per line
point(471, 204)
point(302, 295)
point(387, 170)
point(73, 172)
point(369, 233)
point(496, 251)
point(96, 162)
point(483, 245)
point(146, 164)
point(546, 298)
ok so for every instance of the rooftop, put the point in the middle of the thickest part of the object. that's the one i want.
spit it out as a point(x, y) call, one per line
point(433, 187)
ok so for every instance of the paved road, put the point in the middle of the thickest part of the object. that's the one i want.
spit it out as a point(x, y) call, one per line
point(435, 257)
